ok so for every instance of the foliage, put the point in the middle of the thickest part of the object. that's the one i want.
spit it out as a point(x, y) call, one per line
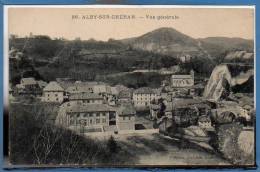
point(112, 145)
point(34, 140)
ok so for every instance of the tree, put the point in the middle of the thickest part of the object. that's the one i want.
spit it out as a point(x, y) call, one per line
point(112, 145)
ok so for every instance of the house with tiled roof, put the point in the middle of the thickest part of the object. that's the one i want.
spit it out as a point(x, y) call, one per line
point(53, 92)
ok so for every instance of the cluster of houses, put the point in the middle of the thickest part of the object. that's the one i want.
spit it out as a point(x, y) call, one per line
point(99, 107)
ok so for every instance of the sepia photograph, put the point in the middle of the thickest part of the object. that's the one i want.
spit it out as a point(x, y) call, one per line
point(130, 86)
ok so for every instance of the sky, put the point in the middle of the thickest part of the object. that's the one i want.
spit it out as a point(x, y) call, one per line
point(194, 22)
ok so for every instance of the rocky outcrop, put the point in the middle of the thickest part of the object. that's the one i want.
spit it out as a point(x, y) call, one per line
point(228, 77)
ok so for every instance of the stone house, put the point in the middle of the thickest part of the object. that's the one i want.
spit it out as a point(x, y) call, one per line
point(53, 92)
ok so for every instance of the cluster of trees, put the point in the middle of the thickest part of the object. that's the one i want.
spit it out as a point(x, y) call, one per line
point(88, 60)
point(34, 140)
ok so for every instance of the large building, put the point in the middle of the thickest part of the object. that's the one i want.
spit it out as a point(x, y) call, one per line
point(95, 118)
point(142, 97)
point(180, 81)
point(53, 92)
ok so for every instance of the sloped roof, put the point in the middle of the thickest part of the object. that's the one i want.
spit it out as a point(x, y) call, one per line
point(144, 90)
point(65, 84)
point(80, 88)
point(91, 108)
point(53, 86)
point(85, 96)
point(28, 81)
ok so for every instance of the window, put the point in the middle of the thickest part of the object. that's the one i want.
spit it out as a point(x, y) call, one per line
point(103, 114)
point(85, 115)
point(57, 99)
point(78, 115)
point(90, 121)
point(123, 118)
point(56, 95)
point(97, 121)
point(90, 114)
point(129, 117)
point(104, 120)
point(98, 114)
point(48, 95)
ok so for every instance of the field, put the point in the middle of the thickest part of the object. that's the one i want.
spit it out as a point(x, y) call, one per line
point(155, 149)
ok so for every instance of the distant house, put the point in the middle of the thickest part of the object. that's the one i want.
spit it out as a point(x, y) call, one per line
point(28, 86)
point(142, 97)
point(178, 81)
point(29, 83)
point(53, 92)
point(86, 98)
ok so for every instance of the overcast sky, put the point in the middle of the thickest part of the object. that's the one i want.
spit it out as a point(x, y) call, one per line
point(197, 23)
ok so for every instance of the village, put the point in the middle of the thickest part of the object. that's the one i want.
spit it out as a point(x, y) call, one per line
point(94, 107)
point(184, 106)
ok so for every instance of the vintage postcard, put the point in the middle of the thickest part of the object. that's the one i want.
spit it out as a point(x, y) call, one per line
point(130, 86)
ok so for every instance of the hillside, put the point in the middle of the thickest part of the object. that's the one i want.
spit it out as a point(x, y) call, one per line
point(48, 59)
point(217, 46)
point(166, 41)
point(171, 42)
point(80, 60)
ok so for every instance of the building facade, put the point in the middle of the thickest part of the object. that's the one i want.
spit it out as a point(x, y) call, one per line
point(53, 92)
point(86, 98)
point(143, 97)
point(179, 81)
point(95, 118)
